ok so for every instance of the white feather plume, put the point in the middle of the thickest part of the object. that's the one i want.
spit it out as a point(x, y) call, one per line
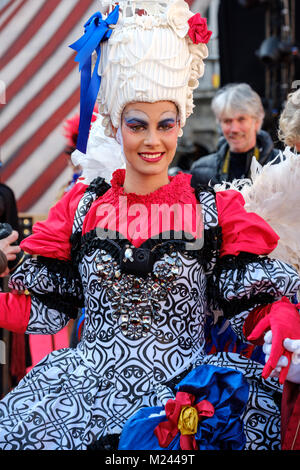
point(274, 194)
point(103, 156)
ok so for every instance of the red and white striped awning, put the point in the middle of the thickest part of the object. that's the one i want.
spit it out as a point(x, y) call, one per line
point(41, 82)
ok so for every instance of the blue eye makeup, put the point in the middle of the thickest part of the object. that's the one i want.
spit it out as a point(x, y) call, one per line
point(168, 123)
point(135, 121)
point(136, 124)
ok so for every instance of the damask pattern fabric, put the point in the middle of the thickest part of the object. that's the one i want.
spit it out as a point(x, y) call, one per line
point(44, 320)
point(256, 277)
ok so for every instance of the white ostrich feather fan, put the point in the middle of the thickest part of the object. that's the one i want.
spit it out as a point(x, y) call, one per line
point(274, 195)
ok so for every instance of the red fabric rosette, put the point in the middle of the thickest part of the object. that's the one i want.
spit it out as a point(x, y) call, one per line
point(183, 416)
point(198, 31)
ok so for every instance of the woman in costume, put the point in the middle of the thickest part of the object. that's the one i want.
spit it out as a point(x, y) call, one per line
point(149, 258)
point(289, 133)
point(289, 122)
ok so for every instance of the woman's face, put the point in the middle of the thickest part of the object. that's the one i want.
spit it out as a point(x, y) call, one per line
point(150, 133)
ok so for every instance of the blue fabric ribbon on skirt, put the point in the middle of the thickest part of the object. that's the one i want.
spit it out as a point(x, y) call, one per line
point(220, 337)
point(226, 389)
point(96, 30)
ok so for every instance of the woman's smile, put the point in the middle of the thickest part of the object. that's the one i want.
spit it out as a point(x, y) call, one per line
point(151, 157)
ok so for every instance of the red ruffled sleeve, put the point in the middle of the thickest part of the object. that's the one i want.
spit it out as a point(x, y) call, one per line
point(51, 238)
point(242, 230)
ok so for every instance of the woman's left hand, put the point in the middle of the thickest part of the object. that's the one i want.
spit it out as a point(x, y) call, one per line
point(283, 320)
point(291, 345)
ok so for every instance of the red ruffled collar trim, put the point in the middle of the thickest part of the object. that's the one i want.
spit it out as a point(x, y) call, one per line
point(178, 190)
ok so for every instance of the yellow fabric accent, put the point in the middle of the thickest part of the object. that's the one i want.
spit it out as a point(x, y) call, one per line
point(188, 420)
point(227, 159)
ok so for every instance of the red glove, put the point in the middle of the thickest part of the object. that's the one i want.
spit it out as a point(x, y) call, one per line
point(284, 322)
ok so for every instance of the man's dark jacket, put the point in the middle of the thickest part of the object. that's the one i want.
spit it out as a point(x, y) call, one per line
point(209, 168)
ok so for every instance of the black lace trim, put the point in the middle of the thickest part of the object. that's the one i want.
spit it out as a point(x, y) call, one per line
point(75, 241)
point(56, 266)
point(61, 271)
point(240, 261)
point(213, 236)
point(204, 188)
point(235, 306)
point(84, 245)
point(98, 186)
point(212, 243)
point(114, 243)
point(66, 304)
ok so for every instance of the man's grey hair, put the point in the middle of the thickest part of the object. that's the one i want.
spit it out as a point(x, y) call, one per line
point(237, 98)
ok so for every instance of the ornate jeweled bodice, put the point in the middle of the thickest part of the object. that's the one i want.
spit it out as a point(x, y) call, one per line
point(135, 300)
point(152, 324)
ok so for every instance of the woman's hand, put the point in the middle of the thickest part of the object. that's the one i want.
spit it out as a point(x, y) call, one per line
point(291, 345)
point(283, 320)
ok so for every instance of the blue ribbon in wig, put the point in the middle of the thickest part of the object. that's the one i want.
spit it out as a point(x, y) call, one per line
point(96, 30)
